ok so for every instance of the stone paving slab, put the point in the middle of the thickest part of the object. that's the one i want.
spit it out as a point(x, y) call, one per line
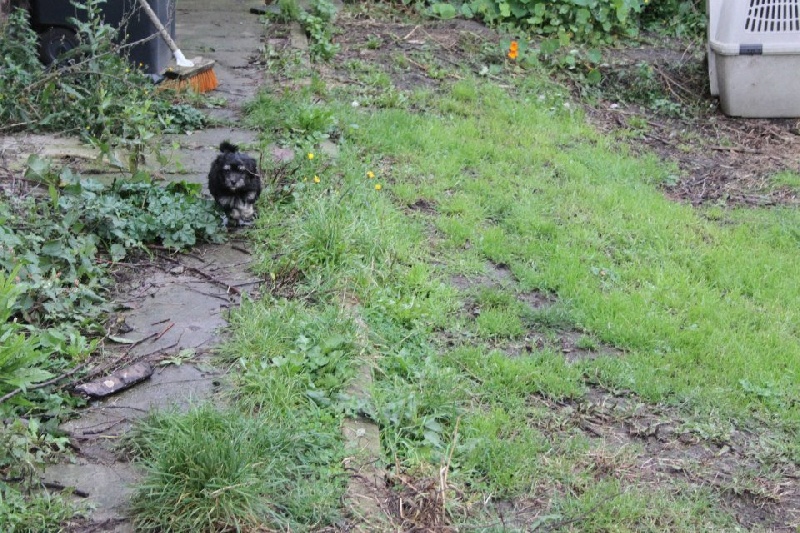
point(182, 302)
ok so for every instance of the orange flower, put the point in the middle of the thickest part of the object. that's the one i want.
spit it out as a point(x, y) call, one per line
point(513, 50)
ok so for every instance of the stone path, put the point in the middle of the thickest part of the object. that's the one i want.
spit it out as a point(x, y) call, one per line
point(175, 308)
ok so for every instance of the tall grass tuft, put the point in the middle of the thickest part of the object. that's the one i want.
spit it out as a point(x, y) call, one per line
point(211, 470)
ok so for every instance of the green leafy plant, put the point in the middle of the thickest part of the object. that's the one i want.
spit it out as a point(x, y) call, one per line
point(20, 357)
point(26, 447)
point(585, 20)
point(127, 112)
point(316, 23)
point(56, 252)
point(54, 244)
point(291, 118)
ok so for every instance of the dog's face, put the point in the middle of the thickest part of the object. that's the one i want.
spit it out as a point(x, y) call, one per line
point(235, 169)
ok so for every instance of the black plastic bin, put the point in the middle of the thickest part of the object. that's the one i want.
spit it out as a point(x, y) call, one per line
point(51, 19)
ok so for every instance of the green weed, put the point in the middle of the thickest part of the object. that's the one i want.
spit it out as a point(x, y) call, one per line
point(291, 119)
point(787, 178)
point(305, 351)
point(26, 448)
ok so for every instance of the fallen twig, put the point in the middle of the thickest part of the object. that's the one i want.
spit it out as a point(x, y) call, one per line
point(735, 149)
point(58, 486)
point(169, 327)
point(240, 249)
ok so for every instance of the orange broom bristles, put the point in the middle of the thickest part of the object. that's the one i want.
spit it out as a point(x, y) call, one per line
point(199, 78)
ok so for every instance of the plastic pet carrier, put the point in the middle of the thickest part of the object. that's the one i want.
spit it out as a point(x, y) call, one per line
point(51, 19)
point(754, 57)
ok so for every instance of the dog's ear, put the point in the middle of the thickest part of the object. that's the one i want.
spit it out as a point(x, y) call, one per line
point(251, 165)
point(228, 147)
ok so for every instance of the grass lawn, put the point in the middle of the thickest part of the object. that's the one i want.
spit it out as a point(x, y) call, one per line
point(578, 351)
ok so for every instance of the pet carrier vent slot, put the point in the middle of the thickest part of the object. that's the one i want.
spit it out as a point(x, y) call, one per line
point(773, 16)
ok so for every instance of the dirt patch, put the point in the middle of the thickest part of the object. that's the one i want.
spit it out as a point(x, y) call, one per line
point(721, 159)
point(670, 451)
point(419, 504)
point(537, 299)
point(497, 275)
point(423, 206)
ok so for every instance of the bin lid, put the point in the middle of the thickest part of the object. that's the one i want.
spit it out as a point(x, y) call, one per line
point(755, 27)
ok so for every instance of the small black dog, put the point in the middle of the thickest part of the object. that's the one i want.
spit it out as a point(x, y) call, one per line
point(234, 183)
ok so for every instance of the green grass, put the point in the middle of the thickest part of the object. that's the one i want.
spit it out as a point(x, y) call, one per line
point(701, 306)
point(219, 470)
point(572, 213)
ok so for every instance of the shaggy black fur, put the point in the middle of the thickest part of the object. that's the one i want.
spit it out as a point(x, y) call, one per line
point(234, 183)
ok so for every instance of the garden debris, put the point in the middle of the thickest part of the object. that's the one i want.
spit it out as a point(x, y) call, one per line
point(118, 381)
point(418, 504)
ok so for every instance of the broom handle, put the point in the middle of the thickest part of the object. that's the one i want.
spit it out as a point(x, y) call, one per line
point(179, 57)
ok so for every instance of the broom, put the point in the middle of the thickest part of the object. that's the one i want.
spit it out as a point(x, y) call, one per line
point(197, 74)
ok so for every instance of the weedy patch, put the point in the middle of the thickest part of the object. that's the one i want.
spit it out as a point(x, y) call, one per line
point(420, 503)
point(664, 447)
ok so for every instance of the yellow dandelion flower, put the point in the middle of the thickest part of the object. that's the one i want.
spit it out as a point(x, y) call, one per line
point(370, 174)
point(378, 186)
point(310, 156)
point(316, 179)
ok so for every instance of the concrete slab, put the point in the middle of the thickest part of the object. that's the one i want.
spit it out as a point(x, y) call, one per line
point(209, 139)
point(16, 149)
point(179, 307)
point(172, 387)
point(195, 153)
point(108, 486)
